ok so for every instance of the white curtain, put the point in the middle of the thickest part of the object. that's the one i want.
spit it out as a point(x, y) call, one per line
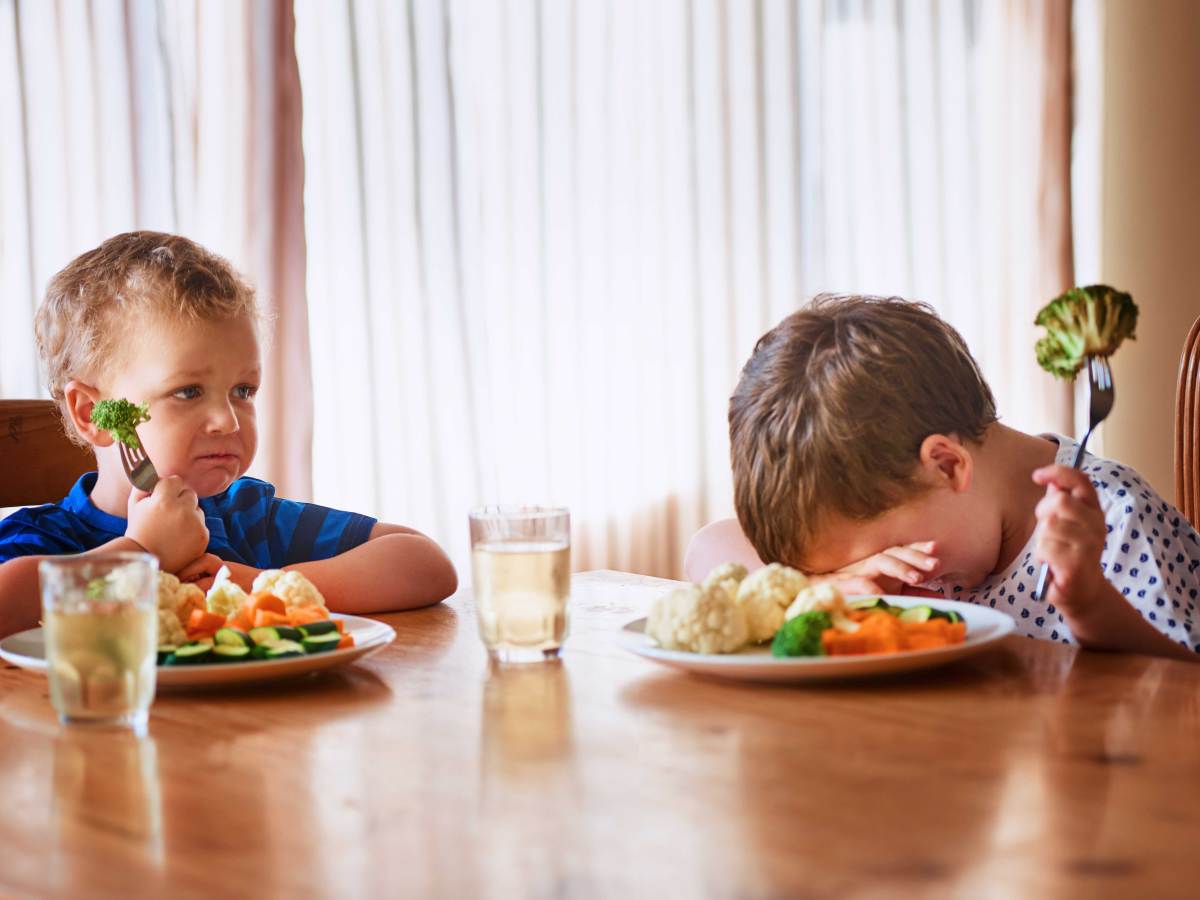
point(173, 116)
point(544, 236)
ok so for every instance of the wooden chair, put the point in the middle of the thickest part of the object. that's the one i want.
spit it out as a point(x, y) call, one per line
point(1187, 429)
point(38, 462)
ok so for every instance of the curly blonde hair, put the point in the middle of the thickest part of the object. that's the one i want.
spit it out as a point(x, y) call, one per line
point(78, 324)
point(831, 409)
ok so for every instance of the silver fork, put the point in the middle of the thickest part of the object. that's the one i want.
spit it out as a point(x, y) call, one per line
point(1101, 394)
point(140, 471)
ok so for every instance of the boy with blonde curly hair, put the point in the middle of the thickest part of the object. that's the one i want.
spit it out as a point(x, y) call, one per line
point(866, 449)
point(156, 318)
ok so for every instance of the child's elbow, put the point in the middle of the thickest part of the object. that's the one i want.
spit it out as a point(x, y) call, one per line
point(438, 580)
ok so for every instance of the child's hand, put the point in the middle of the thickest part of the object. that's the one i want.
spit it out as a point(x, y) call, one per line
point(888, 571)
point(202, 571)
point(168, 523)
point(1070, 538)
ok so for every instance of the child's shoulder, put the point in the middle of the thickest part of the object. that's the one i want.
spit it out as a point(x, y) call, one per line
point(49, 529)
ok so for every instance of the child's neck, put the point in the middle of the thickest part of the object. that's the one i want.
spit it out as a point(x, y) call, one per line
point(111, 491)
point(1015, 455)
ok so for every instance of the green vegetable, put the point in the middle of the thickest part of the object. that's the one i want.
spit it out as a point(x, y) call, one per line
point(1087, 321)
point(916, 614)
point(232, 637)
point(278, 649)
point(230, 653)
point(801, 636)
point(120, 418)
point(190, 654)
point(264, 634)
point(319, 643)
point(325, 626)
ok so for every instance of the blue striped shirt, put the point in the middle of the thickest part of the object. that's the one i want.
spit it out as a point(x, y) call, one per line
point(246, 523)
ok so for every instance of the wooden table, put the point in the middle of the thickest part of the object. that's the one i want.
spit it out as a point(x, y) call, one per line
point(1031, 770)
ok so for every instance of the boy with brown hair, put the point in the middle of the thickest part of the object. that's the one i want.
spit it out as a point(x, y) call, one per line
point(866, 448)
point(156, 318)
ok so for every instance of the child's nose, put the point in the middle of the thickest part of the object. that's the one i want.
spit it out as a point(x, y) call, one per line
point(222, 419)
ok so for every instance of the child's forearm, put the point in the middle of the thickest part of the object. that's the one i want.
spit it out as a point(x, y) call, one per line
point(1113, 624)
point(20, 596)
point(389, 572)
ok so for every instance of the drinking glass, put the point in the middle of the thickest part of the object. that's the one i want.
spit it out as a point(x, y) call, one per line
point(521, 563)
point(100, 625)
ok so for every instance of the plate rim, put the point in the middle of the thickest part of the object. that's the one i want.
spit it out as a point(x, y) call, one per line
point(253, 670)
point(633, 638)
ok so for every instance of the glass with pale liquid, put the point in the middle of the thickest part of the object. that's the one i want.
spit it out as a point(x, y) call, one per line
point(521, 563)
point(99, 618)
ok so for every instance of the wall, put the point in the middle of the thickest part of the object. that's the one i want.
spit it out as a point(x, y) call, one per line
point(1151, 212)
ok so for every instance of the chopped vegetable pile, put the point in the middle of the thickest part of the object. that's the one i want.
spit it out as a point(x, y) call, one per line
point(1083, 322)
point(230, 625)
point(120, 418)
point(732, 609)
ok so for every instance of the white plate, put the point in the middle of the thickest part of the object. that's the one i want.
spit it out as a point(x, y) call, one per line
point(27, 649)
point(985, 626)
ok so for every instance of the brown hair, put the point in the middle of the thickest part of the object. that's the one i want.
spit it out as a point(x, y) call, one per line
point(77, 324)
point(831, 409)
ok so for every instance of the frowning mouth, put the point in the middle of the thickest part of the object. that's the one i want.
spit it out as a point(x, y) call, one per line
point(219, 457)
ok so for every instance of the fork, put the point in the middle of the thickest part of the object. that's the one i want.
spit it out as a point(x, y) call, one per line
point(1101, 394)
point(140, 471)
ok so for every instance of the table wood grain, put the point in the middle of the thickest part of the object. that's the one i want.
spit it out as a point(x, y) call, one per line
point(1030, 770)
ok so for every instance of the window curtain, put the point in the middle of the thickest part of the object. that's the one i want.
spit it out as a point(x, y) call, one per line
point(178, 116)
point(543, 237)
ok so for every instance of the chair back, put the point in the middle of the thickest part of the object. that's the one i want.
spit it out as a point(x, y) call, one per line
point(1187, 429)
point(38, 462)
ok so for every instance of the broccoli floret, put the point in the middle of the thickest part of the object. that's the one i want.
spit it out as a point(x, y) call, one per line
point(1087, 321)
point(801, 636)
point(120, 418)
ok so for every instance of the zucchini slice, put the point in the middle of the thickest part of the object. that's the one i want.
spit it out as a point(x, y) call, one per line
point(319, 643)
point(869, 603)
point(191, 654)
point(230, 652)
point(232, 637)
point(264, 634)
point(278, 649)
point(164, 653)
point(325, 626)
point(916, 614)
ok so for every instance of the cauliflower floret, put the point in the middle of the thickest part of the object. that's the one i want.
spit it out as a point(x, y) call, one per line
point(700, 620)
point(824, 597)
point(291, 587)
point(170, 632)
point(727, 574)
point(177, 597)
point(225, 597)
point(765, 595)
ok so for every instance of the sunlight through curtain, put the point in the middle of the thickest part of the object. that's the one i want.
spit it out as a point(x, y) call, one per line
point(544, 236)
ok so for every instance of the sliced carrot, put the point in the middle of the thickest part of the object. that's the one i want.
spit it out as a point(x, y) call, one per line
point(267, 617)
point(267, 602)
point(306, 615)
point(243, 619)
point(201, 620)
point(346, 641)
point(339, 625)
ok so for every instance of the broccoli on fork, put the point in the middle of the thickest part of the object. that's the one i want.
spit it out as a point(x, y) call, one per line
point(1083, 322)
point(121, 418)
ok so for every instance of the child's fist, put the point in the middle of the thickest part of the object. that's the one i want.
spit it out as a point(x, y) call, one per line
point(890, 570)
point(168, 523)
point(1071, 536)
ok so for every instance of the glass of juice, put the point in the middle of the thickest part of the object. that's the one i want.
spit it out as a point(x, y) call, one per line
point(521, 566)
point(99, 617)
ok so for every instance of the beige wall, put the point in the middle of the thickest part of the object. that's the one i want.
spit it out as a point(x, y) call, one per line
point(1151, 220)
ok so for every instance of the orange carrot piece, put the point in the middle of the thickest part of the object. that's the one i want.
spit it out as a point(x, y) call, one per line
point(339, 625)
point(243, 619)
point(267, 602)
point(346, 641)
point(266, 617)
point(306, 615)
point(201, 620)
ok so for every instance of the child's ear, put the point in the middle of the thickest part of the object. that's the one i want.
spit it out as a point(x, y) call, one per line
point(946, 461)
point(80, 398)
